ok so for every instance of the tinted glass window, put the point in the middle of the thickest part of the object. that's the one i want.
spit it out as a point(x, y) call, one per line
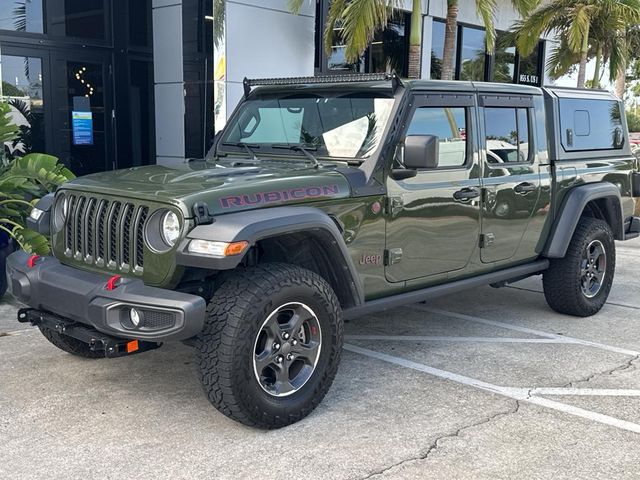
point(450, 126)
point(504, 60)
point(590, 124)
point(473, 53)
point(507, 131)
point(530, 68)
point(437, 49)
point(21, 16)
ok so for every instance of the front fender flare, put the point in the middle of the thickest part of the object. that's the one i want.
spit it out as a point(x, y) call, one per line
point(256, 225)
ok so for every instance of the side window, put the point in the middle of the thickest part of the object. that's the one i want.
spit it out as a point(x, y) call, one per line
point(450, 126)
point(507, 135)
point(590, 124)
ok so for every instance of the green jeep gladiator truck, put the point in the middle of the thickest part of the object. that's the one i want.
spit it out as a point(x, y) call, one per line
point(324, 199)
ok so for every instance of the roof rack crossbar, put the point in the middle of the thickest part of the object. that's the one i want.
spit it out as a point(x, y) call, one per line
point(347, 78)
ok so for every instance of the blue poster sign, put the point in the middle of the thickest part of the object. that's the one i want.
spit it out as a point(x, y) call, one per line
point(82, 127)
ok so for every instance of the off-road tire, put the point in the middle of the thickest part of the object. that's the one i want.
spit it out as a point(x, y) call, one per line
point(243, 300)
point(562, 281)
point(70, 344)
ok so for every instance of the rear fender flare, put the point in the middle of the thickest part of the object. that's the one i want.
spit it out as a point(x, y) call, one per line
point(572, 209)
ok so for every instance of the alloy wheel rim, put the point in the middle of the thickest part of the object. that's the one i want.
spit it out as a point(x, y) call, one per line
point(593, 268)
point(286, 349)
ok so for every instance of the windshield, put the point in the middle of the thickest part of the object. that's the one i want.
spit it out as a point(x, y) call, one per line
point(333, 125)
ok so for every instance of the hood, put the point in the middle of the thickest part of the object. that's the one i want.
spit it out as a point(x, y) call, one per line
point(226, 186)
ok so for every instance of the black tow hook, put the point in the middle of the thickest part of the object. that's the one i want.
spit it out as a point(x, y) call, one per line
point(97, 341)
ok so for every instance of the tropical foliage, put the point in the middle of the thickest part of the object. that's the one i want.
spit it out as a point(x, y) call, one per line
point(585, 29)
point(23, 181)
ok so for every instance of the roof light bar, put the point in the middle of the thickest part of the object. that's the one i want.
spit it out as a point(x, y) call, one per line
point(347, 78)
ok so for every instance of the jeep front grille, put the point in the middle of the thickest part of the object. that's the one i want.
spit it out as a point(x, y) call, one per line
point(106, 233)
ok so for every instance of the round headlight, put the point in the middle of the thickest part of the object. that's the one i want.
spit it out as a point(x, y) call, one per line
point(65, 207)
point(170, 228)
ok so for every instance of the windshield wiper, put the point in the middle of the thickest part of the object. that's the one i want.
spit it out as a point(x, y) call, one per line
point(300, 148)
point(248, 148)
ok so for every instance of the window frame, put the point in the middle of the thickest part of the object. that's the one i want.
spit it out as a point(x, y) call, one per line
point(464, 100)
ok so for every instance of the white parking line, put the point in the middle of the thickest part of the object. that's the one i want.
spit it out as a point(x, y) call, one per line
point(418, 338)
point(521, 394)
point(516, 328)
point(587, 392)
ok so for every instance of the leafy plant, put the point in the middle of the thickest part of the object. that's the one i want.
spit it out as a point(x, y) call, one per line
point(8, 131)
point(23, 181)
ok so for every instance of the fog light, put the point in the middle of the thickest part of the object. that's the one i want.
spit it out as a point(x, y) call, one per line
point(135, 317)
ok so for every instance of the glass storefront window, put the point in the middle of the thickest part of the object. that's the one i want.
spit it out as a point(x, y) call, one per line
point(21, 16)
point(389, 50)
point(437, 49)
point(530, 68)
point(504, 64)
point(21, 87)
point(472, 55)
point(70, 18)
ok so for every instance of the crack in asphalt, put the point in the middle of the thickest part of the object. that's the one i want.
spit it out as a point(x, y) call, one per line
point(434, 445)
point(619, 368)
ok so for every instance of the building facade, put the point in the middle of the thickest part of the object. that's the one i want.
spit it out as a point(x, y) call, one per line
point(106, 84)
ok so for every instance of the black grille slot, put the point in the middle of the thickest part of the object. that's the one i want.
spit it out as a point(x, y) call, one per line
point(156, 320)
point(105, 233)
point(139, 253)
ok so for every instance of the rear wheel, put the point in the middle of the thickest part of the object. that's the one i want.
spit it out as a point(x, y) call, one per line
point(579, 284)
point(70, 344)
point(271, 344)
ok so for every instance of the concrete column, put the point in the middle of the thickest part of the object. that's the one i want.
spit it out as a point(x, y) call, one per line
point(168, 80)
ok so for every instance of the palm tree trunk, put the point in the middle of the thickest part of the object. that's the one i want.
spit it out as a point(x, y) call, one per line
point(584, 54)
point(415, 41)
point(621, 82)
point(596, 75)
point(450, 40)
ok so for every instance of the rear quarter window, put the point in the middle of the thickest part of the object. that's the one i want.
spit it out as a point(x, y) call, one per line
point(591, 125)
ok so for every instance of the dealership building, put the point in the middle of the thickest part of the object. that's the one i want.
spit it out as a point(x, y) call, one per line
point(106, 84)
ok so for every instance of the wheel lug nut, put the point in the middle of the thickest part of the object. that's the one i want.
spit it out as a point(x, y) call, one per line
point(294, 342)
point(285, 335)
point(290, 357)
point(279, 359)
point(276, 346)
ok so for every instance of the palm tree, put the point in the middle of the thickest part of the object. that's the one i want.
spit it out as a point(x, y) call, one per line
point(585, 28)
point(486, 10)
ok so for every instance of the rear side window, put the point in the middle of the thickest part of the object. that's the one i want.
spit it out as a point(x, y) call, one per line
point(450, 126)
point(590, 124)
point(507, 131)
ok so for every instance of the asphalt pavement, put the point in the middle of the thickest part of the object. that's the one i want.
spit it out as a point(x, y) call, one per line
point(487, 384)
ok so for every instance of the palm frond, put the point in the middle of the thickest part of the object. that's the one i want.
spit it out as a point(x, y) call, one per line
point(486, 10)
point(295, 6)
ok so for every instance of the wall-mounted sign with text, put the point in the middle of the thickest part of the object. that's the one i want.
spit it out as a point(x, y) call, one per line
point(82, 128)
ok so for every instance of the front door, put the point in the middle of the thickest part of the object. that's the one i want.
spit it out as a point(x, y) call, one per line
point(433, 221)
point(511, 177)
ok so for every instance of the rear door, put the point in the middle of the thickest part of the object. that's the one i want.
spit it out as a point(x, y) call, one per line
point(511, 177)
point(433, 220)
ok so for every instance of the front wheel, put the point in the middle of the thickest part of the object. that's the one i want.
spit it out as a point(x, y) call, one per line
point(271, 344)
point(579, 284)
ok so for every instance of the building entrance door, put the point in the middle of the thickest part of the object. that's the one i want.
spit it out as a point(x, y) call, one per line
point(83, 115)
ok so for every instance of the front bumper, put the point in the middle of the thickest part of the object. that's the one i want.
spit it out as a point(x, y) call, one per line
point(82, 297)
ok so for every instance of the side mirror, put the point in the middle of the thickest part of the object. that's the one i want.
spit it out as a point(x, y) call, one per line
point(421, 151)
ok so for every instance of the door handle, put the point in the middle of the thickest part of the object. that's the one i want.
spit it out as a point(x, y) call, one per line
point(466, 194)
point(524, 188)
